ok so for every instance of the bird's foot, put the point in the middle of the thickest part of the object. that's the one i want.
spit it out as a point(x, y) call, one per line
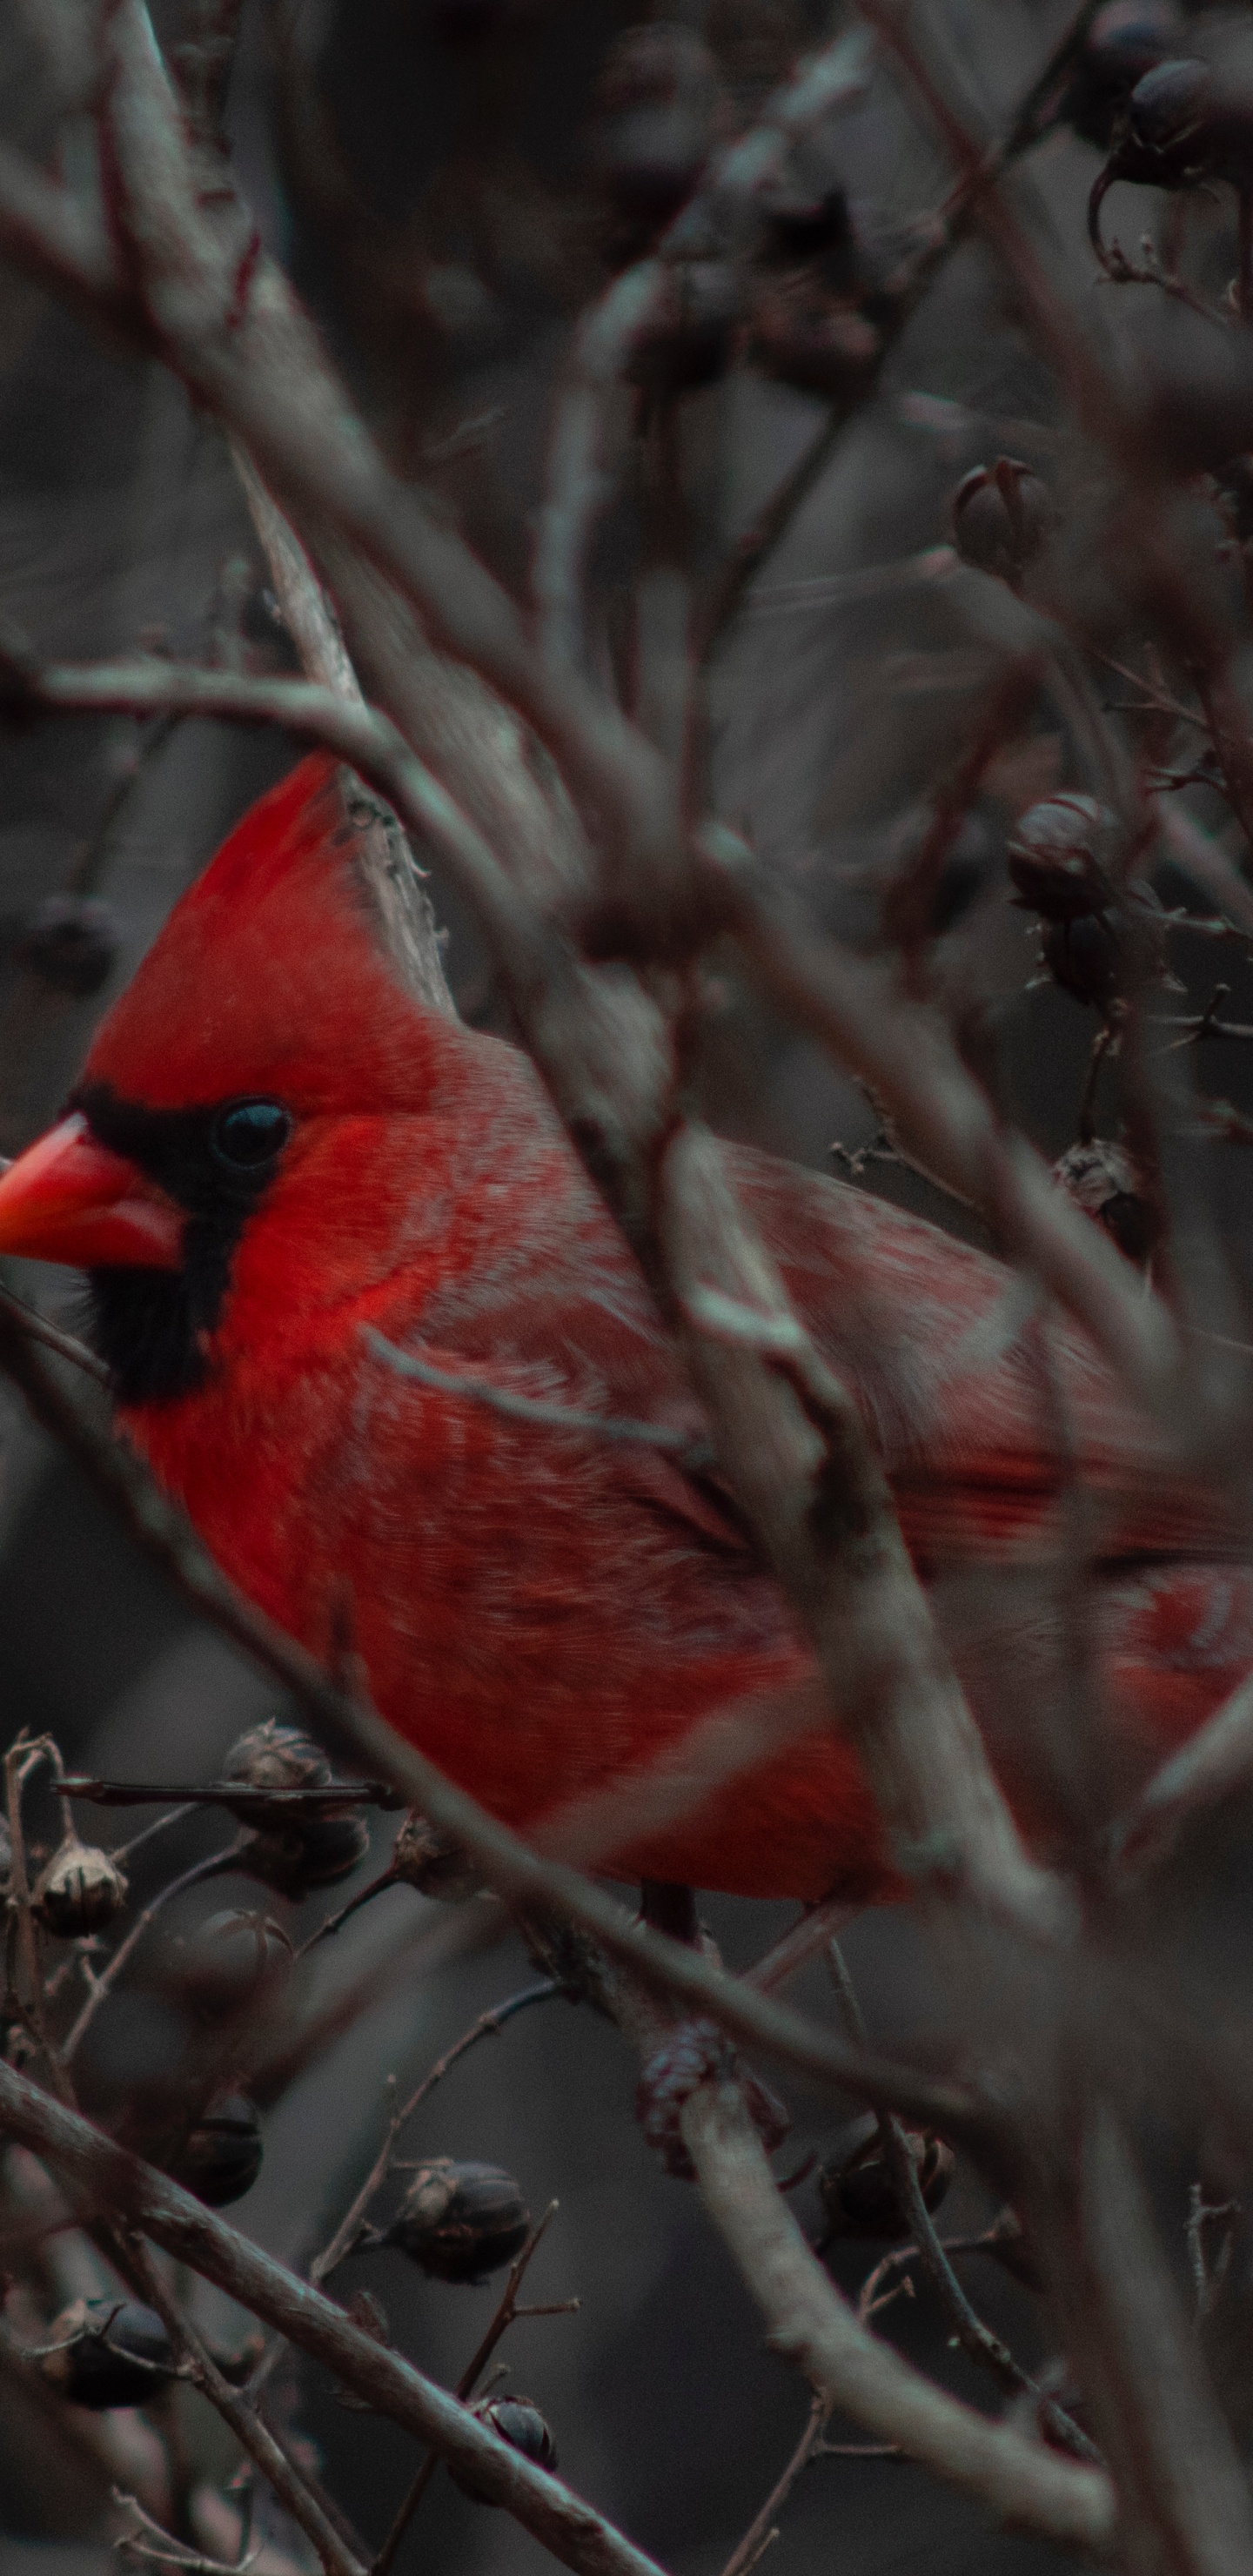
point(696, 2053)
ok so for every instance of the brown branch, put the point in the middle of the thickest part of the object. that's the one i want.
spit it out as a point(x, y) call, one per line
point(506, 2310)
point(1215, 1764)
point(223, 315)
point(804, 1465)
point(384, 854)
point(977, 2340)
point(145, 2200)
point(722, 215)
point(811, 2324)
point(761, 2530)
point(1185, 2500)
point(660, 1964)
point(252, 2435)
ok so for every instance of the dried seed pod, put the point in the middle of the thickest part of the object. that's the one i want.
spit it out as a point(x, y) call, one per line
point(230, 1959)
point(274, 1756)
point(219, 2156)
point(1001, 517)
point(1058, 853)
point(433, 1862)
point(518, 2423)
point(71, 942)
point(1107, 1183)
point(1084, 957)
point(1125, 40)
point(1167, 136)
point(857, 2190)
point(1096, 956)
point(79, 1891)
point(805, 224)
point(296, 1858)
point(690, 345)
point(461, 2222)
point(109, 2352)
point(800, 333)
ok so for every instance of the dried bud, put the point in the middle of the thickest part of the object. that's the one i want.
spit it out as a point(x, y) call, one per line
point(109, 2352)
point(229, 1960)
point(1107, 1183)
point(317, 1852)
point(690, 345)
point(802, 334)
point(857, 2190)
point(1166, 137)
point(219, 2156)
point(433, 1862)
point(519, 2424)
point(70, 941)
point(460, 2221)
point(80, 1891)
point(805, 224)
point(1001, 517)
point(1057, 856)
point(1095, 957)
point(274, 1756)
point(1008, 2241)
point(1125, 40)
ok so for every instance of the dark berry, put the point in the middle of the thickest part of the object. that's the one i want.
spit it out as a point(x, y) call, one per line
point(857, 2190)
point(516, 2422)
point(108, 2352)
point(1001, 517)
point(460, 2222)
point(1057, 856)
point(219, 2157)
point(80, 1891)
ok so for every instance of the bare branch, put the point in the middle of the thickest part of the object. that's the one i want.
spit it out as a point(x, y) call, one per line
point(253, 2436)
point(811, 2323)
point(660, 1964)
point(104, 2173)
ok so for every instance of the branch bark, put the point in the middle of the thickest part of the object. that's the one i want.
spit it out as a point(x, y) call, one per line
point(106, 2176)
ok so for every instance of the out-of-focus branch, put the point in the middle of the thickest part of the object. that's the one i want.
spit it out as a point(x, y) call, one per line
point(1216, 1763)
point(385, 857)
point(803, 1462)
point(245, 2423)
point(224, 316)
point(660, 1964)
point(1185, 2501)
point(719, 218)
point(811, 2323)
point(905, 1056)
point(107, 2176)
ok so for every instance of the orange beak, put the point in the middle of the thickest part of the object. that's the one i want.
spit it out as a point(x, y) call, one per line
point(69, 1199)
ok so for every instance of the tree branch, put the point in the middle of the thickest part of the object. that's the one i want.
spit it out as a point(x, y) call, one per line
point(110, 2178)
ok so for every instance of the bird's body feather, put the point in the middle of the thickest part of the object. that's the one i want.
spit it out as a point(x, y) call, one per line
point(575, 1626)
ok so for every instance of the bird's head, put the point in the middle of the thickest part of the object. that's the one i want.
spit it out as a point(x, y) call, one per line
point(247, 1066)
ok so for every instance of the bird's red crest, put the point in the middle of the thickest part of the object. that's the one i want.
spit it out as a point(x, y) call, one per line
point(270, 976)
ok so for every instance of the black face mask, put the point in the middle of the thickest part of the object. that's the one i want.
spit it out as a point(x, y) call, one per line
point(216, 1163)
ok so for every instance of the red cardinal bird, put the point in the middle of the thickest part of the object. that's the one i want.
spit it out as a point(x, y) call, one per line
point(274, 1153)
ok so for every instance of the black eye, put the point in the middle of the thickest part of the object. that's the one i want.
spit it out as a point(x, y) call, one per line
point(250, 1133)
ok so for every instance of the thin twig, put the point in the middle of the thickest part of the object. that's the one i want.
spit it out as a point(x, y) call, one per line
point(250, 2432)
point(93, 2165)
